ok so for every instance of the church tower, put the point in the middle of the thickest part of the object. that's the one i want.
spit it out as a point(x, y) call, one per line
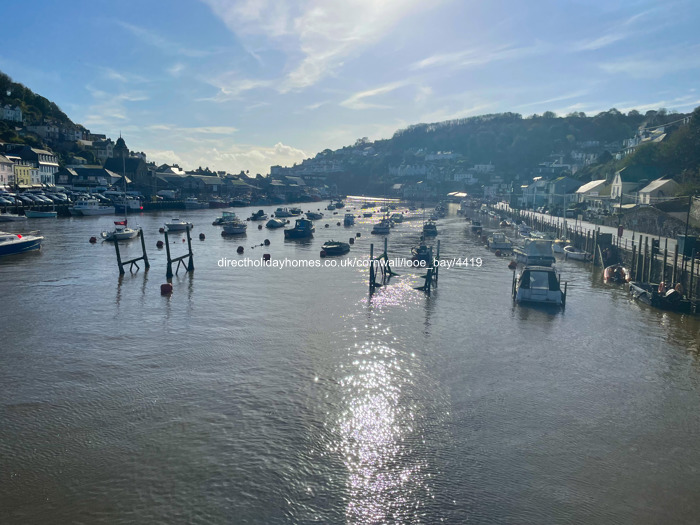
point(120, 149)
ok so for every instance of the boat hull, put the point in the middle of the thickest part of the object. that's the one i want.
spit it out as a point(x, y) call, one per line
point(32, 214)
point(20, 247)
point(648, 294)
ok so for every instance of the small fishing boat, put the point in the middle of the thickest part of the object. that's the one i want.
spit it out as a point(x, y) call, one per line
point(538, 284)
point(258, 216)
point(13, 243)
point(314, 216)
point(476, 227)
point(349, 219)
point(499, 241)
point(657, 296)
point(303, 228)
point(178, 225)
point(234, 227)
point(331, 206)
point(295, 211)
point(383, 227)
point(339, 204)
point(275, 223)
point(397, 218)
point(430, 229)
point(335, 248)
point(367, 214)
point(571, 252)
point(616, 273)
point(35, 214)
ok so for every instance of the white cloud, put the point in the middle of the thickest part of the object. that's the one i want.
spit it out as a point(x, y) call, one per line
point(317, 35)
point(357, 101)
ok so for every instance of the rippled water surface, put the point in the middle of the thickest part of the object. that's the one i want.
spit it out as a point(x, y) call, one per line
point(260, 395)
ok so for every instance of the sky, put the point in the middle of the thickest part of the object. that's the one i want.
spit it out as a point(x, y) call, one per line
point(244, 85)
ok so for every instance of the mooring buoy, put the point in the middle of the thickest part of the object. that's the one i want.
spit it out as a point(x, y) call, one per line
point(166, 289)
point(93, 240)
point(201, 237)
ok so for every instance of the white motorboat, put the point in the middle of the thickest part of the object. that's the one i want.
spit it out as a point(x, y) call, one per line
point(283, 212)
point(89, 207)
point(571, 252)
point(535, 252)
point(383, 227)
point(499, 241)
point(12, 243)
point(234, 227)
point(538, 284)
point(349, 219)
point(227, 216)
point(178, 225)
point(121, 232)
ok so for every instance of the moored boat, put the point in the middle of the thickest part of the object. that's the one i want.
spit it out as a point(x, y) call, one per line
point(259, 215)
point(571, 252)
point(234, 227)
point(657, 296)
point(303, 228)
point(275, 223)
point(335, 248)
point(430, 229)
point(538, 284)
point(314, 216)
point(12, 217)
point(476, 227)
point(121, 232)
point(421, 253)
point(499, 241)
point(383, 227)
point(283, 212)
point(616, 273)
point(536, 252)
point(226, 216)
point(36, 214)
point(178, 225)
point(13, 243)
point(349, 219)
point(89, 207)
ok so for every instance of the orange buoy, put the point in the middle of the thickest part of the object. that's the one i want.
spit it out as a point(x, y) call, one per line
point(166, 289)
point(201, 236)
point(93, 240)
point(159, 244)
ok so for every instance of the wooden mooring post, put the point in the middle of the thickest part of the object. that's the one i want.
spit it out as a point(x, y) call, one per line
point(132, 262)
point(180, 260)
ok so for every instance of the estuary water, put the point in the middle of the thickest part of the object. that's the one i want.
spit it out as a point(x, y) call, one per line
point(268, 395)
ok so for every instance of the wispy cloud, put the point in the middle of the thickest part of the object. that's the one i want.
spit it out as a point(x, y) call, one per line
point(318, 37)
point(232, 88)
point(166, 45)
point(358, 100)
point(674, 60)
point(481, 56)
point(176, 69)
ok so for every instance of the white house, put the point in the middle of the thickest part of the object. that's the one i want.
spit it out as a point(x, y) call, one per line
point(13, 114)
point(658, 190)
point(590, 189)
point(6, 172)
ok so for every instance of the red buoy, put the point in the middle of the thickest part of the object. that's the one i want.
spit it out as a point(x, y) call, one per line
point(166, 289)
point(161, 230)
point(93, 240)
point(498, 253)
point(513, 265)
point(159, 244)
point(266, 256)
